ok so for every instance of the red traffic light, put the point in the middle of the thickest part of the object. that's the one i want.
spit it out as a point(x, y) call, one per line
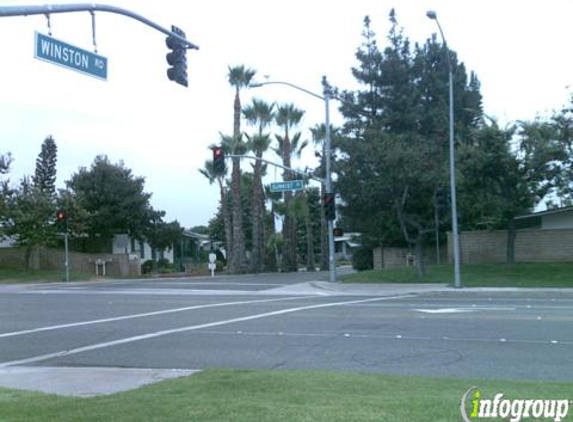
point(218, 160)
point(338, 232)
point(61, 216)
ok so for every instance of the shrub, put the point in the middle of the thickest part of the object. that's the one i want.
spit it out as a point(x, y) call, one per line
point(362, 259)
point(147, 267)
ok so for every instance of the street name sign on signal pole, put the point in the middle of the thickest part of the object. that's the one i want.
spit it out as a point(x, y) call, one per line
point(286, 186)
point(60, 53)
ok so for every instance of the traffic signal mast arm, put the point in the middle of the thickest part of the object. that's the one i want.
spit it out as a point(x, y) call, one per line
point(47, 9)
point(302, 173)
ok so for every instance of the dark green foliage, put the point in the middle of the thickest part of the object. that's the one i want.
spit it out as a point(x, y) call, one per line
point(30, 220)
point(113, 197)
point(394, 155)
point(362, 259)
point(309, 227)
point(147, 266)
point(5, 191)
point(45, 176)
point(499, 184)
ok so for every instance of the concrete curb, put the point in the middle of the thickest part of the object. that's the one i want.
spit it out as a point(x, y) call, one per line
point(83, 381)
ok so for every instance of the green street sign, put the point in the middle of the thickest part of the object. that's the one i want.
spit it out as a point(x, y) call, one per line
point(66, 55)
point(287, 186)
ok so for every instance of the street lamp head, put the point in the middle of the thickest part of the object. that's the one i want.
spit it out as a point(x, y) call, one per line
point(431, 14)
point(255, 85)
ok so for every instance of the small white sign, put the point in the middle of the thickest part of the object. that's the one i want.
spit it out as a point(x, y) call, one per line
point(212, 257)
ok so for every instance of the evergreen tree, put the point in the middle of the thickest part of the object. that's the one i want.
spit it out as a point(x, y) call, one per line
point(45, 176)
point(394, 155)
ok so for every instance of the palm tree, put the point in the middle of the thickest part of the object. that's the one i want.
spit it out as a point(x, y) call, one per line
point(287, 117)
point(209, 172)
point(260, 114)
point(239, 77)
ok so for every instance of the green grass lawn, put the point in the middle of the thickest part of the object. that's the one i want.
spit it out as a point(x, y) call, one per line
point(41, 276)
point(479, 275)
point(281, 396)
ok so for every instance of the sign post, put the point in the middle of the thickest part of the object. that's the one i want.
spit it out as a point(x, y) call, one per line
point(212, 263)
point(60, 53)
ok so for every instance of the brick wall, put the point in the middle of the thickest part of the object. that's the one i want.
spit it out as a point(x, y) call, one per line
point(53, 259)
point(385, 257)
point(531, 245)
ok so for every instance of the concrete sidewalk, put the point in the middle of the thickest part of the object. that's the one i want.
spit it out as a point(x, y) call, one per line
point(324, 288)
point(83, 381)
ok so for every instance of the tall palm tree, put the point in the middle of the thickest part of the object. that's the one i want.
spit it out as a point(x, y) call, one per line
point(239, 78)
point(259, 114)
point(209, 172)
point(287, 117)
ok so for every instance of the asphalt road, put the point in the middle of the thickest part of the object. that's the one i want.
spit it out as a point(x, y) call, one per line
point(265, 321)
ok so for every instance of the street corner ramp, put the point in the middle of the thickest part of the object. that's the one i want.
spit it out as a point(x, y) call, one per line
point(324, 288)
point(83, 381)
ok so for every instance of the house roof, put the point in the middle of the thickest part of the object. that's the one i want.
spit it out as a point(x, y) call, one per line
point(189, 233)
point(545, 212)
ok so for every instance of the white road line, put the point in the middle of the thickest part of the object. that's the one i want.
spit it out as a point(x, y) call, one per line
point(143, 315)
point(384, 337)
point(182, 330)
point(191, 283)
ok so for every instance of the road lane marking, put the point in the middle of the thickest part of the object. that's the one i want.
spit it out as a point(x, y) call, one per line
point(161, 333)
point(474, 308)
point(143, 315)
point(362, 336)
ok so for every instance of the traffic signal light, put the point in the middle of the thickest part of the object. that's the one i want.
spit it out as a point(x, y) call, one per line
point(62, 220)
point(61, 216)
point(218, 160)
point(337, 232)
point(177, 58)
point(329, 207)
point(440, 198)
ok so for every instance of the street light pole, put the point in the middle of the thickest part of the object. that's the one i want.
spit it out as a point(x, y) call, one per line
point(456, 247)
point(328, 178)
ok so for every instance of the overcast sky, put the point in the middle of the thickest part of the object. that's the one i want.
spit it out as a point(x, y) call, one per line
point(520, 51)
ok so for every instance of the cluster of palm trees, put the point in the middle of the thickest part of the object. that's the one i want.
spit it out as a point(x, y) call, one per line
point(287, 143)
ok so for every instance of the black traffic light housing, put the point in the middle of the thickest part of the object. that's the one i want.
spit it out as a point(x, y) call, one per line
point(177, 58)
point(337, 232)
point(329, 206)
point(219, 160)
point(62, 220)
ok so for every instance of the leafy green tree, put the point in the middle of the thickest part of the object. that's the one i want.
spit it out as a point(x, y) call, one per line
point(289, 145)
point(5, 191)
point(200, 230)
point(394, 157)
point(45, 176)
point(498, 183)
point(161, 235)
point(259, 114)
point(31, 219)
point(78, 217)
point(114, 198)
point(309, 225)
point(561, 133)
point(239, 77)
